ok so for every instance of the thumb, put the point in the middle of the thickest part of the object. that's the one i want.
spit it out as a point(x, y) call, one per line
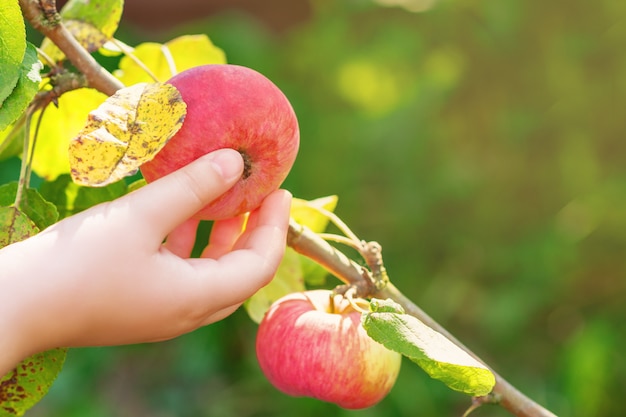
point(169, 201)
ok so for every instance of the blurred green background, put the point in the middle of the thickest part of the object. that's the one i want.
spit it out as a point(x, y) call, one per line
point(480, 142)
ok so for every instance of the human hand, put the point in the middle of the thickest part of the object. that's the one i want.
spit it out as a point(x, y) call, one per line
point(105, 277)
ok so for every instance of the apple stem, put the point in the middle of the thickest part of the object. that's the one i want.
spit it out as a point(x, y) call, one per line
point(349, 295)
point(332, 303)
point(247, 164)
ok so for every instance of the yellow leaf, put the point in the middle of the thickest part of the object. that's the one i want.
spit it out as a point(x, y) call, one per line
point(58, 125)
point(127, 130)
point(305, 212)
point(186, 52)
point(91, 22)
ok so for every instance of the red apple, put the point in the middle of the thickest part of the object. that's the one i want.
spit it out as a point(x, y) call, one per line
point(310, 344)
point(230, 106)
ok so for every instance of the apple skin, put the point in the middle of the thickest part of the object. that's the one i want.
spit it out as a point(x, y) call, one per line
point(305, 349)
point(231, 106)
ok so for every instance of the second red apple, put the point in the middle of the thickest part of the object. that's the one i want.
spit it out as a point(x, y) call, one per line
point(311, 344)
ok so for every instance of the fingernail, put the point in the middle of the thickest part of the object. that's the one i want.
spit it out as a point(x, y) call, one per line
point(228, 162)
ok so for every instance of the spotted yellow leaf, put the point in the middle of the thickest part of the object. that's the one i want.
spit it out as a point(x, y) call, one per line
point(91, 22)
point(127, 130)
point(27, 383)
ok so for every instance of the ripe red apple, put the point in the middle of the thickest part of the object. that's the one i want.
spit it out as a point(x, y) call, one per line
point(309, 344)
point(230, 106)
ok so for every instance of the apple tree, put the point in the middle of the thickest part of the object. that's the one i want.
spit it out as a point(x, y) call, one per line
point(91, 133)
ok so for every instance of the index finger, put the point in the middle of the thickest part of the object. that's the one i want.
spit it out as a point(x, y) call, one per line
point(169, 201)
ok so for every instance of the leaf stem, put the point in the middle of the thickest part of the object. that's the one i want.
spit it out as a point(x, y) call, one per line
point(29, 165)
point(126, 50)
point(49, 61)
point(341, 225)
point(169, 59)
point(331, 237)
point(23, 180)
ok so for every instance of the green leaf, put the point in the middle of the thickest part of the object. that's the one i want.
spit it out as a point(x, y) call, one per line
point(186, 52)
point(41, 212)
point(434, 353)
point(70, 198)
point(288, 279)
point(25, 89)
point(12, 46)
point(127, 130)
point(25, 385)
point(91, 22)
point(61, 192)
point(87, 197)
point(15, 226)
point(60, 124)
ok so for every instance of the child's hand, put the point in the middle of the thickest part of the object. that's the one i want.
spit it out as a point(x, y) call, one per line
point(104, 277)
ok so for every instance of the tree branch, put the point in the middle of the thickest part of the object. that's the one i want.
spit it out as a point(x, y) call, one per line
point(43, 17)
point(309, 244)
